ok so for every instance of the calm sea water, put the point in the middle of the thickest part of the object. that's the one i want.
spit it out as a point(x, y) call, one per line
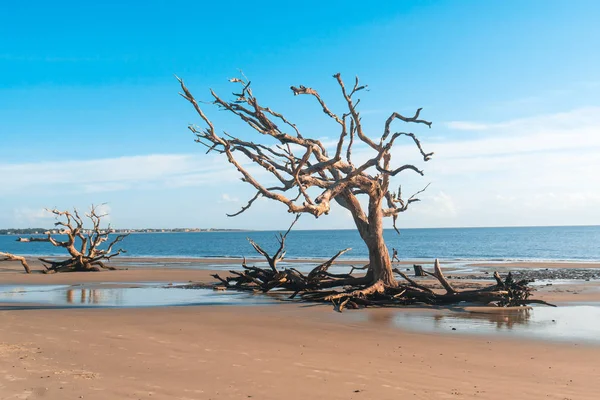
point(580, 243)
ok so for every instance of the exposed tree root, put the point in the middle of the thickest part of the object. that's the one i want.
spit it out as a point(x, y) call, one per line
point(376, 288)
point(74, 265)
point(348, 291)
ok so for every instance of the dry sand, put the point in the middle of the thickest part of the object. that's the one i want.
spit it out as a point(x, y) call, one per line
point(287, 351)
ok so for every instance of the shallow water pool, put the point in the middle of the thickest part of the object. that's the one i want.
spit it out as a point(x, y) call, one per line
point(124, 295)
point(575, 323)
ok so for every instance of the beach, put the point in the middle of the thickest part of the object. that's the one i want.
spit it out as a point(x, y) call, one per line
point(280, 351)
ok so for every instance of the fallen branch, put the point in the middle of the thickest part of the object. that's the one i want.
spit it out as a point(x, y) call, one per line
point(12, 257)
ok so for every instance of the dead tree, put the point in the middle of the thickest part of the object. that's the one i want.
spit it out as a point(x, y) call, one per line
point(301, 166)
point(299, 163)
point(12, 257)
point(86, 246)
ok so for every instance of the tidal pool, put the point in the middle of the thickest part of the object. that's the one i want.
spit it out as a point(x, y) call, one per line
point(574, 323)
point(124, 295)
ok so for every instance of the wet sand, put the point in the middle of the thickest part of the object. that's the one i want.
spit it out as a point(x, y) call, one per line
point(286, 351)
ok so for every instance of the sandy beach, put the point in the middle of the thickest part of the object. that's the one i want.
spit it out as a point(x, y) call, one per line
point(232, 183)
point(282, 351)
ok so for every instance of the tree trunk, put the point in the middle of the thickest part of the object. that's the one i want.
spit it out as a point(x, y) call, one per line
point(418, 270)
point(379, 257)
point(371, 231)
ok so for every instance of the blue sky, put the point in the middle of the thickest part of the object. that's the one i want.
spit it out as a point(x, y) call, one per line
point(89, 110)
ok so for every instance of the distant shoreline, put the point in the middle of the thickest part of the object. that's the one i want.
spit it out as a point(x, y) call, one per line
point(40, 231)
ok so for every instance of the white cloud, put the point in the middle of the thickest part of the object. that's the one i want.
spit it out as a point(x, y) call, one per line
point(40, 217)
point(466, 126)
point(229, 199)
point(572, 120)
point(115, 174)
point(540, 170)
point(35, 217)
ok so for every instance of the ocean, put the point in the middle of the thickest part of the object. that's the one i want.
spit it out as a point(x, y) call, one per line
point(564, 243)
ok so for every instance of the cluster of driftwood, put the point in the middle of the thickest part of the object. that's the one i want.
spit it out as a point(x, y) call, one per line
point(85, 247)
point(350, 291)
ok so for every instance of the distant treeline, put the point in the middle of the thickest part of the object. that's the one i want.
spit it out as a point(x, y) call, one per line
point(41, 231)
point(26, 231)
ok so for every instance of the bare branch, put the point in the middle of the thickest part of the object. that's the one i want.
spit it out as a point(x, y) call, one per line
point(247, 206)
point(414, 119)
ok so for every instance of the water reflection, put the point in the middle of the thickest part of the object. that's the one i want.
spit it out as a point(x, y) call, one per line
point(92, 296)
point(505, 319)
point(575, 323)
point(115, 295)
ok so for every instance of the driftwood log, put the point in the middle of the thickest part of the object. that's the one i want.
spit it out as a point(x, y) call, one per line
point(12, 257)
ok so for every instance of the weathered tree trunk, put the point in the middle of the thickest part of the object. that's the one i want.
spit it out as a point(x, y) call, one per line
point(418, 270)
point(379, 257)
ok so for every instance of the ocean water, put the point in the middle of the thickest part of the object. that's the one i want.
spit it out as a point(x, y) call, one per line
point(565, 243)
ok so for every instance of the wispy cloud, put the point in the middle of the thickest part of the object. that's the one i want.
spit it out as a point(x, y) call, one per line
point(229, 199)
point(37, 217)
point(114, 174)
point(537, 170)
point(466, 126)
point(573, 120)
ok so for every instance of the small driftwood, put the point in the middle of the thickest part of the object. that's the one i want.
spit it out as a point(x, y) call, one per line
point(12, 257)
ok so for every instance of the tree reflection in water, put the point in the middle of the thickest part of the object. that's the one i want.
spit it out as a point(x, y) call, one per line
point(441, 319)
point(85, 296)
point(502, 319)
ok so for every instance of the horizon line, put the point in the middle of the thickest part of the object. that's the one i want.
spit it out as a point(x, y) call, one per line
point(202, 230)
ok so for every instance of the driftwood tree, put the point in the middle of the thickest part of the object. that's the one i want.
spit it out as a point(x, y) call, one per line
point(302, 167)
point(86, 246)
point(299, 163)
point(12, 257)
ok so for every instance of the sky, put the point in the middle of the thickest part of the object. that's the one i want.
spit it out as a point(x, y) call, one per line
point(90, 111)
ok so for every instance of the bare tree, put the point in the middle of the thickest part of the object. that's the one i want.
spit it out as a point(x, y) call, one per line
point(12, 257)
point(85, 246)
point(301, 166)
point(299, 163)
